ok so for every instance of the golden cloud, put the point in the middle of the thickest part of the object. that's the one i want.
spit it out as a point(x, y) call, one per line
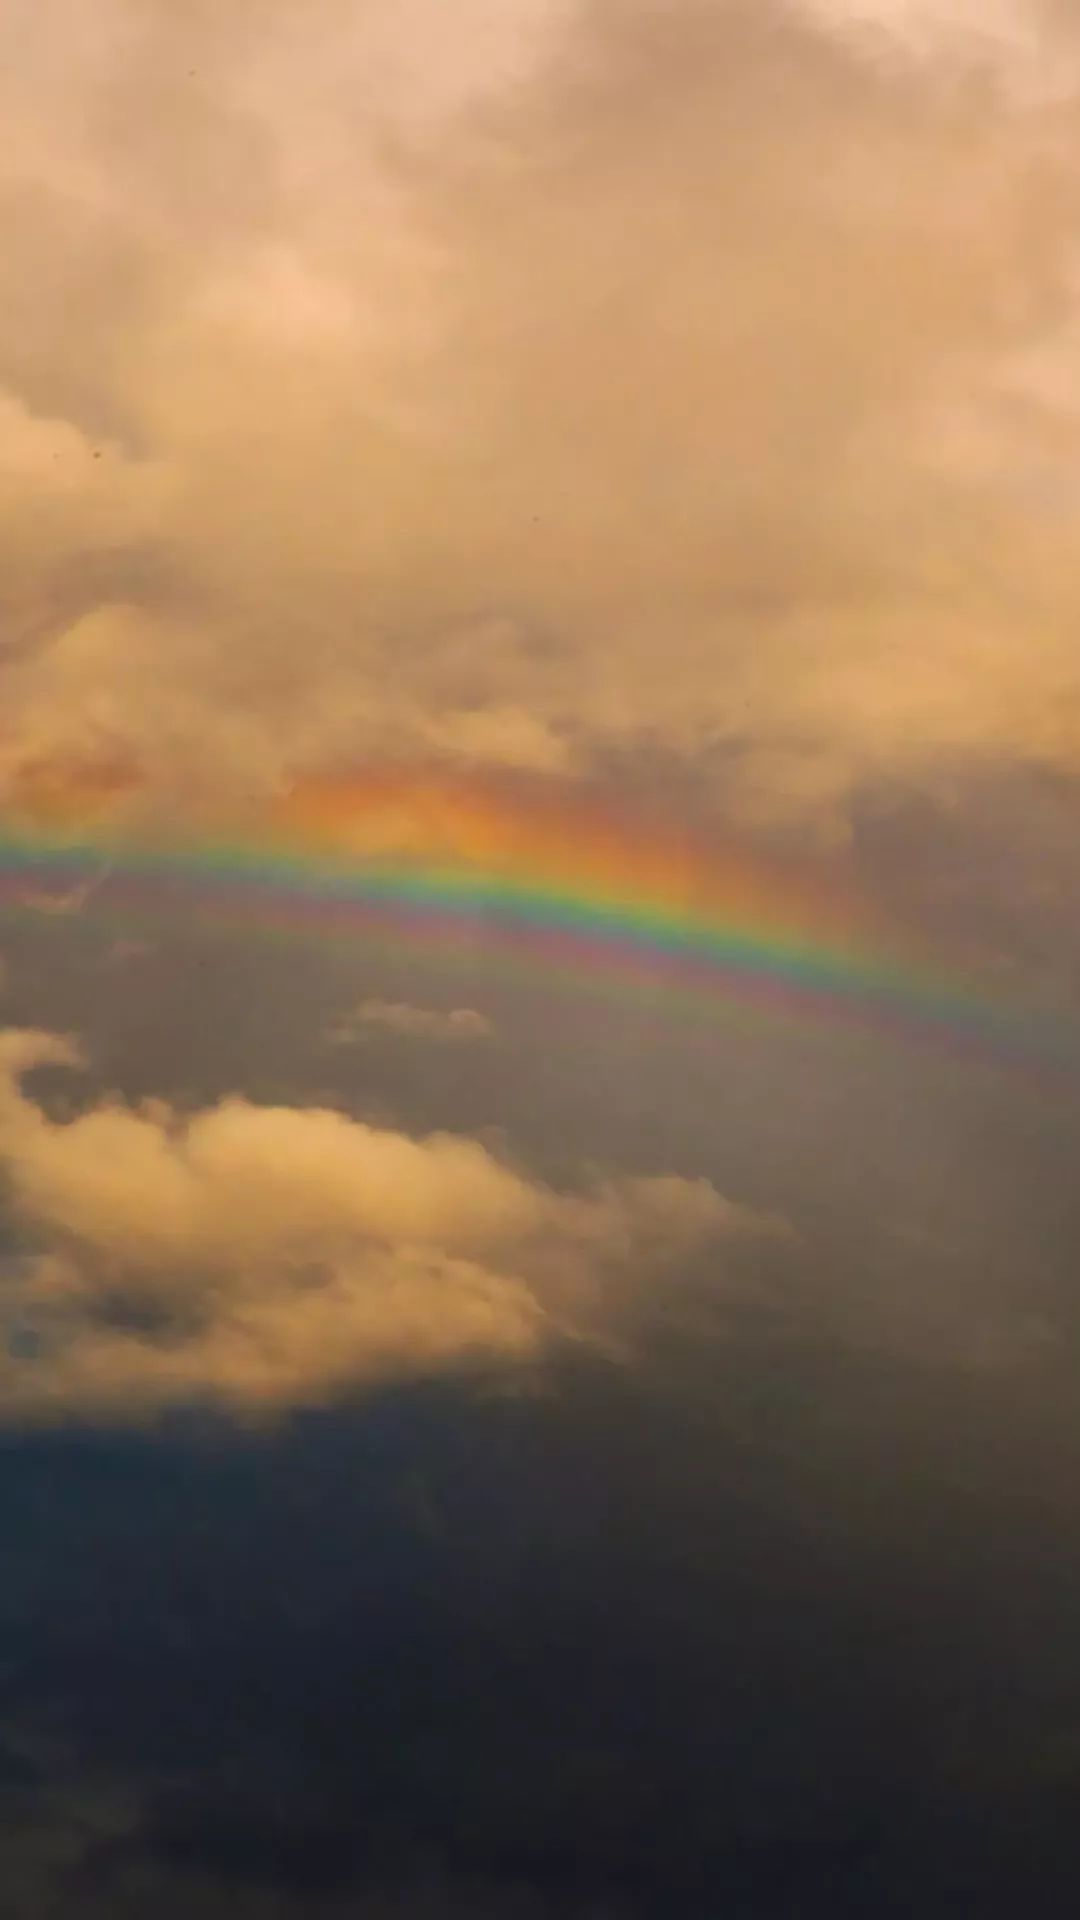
point(658, 371)
point(263, 1257)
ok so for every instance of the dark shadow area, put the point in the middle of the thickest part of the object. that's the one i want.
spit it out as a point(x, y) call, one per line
point(799, 1639)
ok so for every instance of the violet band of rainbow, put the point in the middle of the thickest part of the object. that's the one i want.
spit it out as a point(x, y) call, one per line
point(624, 941)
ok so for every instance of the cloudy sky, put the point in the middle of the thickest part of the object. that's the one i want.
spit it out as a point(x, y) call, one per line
point(477, 1445)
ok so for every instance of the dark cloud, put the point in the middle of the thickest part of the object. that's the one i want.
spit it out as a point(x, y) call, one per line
point(621, 1646)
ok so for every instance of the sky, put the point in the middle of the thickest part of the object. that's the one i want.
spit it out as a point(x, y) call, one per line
point(539, 959)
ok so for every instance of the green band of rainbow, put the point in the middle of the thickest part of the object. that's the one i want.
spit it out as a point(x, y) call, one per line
point(553, 929)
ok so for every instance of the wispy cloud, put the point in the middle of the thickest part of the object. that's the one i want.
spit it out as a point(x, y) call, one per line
point(415, 1023)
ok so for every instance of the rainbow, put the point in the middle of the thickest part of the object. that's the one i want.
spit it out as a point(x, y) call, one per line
point(569, 893)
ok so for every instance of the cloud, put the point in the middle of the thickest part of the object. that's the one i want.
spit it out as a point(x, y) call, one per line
point(72, 900)
point(1012, 38)
point(619, 375)
point(264, 1257)
point(420, 1023)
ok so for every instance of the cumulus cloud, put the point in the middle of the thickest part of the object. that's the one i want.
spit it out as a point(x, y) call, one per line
point(417, 1023)
point(263, 1256)
point(634, 372)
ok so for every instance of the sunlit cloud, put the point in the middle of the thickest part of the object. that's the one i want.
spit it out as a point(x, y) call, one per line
point(263, 1257)
point(607, 376)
